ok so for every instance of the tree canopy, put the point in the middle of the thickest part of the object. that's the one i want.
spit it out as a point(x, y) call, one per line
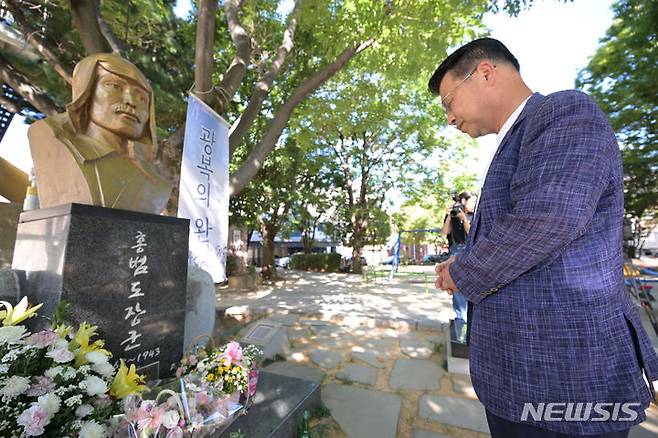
point(253, 61)
point(623, 77)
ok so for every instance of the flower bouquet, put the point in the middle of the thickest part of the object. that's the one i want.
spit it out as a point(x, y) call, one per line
point(57, 382)
point(206, 396)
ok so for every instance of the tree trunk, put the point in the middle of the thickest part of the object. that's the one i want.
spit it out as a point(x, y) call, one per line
point(262, 87)
point(85, 14)
point(21, 85)
point(269, 268)
point(242, 43)
point(307, 241)
point(203, 57)
point(33, 37)
point(357, 246)
point(253, 163)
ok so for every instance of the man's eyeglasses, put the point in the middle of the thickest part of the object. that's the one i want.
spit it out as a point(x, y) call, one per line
point(444, 99)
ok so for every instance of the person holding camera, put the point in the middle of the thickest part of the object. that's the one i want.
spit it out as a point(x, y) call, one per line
point(456, 225)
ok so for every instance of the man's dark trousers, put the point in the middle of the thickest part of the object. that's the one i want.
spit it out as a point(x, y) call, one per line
point(501, 428)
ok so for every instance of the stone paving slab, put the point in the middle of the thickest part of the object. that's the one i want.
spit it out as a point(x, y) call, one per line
point(334, 343)
point(326, 359)
point(297, 333)
point(327, 330)
point(363, 413)
point(296, 370)
point(366, 356)
point(381, 347)
point(288, 319)
point(462, 384)
point(416, 349)
point(459, 412)
point(358, 373)
point(316, 322)
point(415, 374)
point(418, 433)
point(296, 356)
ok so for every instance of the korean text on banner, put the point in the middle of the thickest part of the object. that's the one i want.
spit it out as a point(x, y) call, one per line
point(204, 191)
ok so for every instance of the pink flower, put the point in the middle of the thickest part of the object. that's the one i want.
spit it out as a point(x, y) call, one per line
point(149, 416)
point(233, 352)
point(202, 398)
point(42, 386)
point(61, 355)
point(44, 338)
point(33, 419)
point(192, 359)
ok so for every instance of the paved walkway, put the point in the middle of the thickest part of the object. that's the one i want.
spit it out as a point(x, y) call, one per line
point(379, 350)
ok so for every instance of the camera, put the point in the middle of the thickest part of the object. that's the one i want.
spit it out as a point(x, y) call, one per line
point(456, 208)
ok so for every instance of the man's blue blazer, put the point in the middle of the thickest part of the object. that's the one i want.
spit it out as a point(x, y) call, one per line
point(543, 271)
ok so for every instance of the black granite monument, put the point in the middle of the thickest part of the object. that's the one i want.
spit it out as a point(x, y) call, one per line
point(123, 271)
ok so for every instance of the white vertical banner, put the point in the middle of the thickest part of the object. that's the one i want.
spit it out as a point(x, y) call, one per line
point(204, 195)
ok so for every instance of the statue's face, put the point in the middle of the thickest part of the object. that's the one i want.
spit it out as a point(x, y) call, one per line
point(119, 105)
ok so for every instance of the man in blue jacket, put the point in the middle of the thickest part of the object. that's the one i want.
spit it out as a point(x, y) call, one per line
point(557, 348)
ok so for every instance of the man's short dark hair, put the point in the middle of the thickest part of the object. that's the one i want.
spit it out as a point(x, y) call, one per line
point(463, 60)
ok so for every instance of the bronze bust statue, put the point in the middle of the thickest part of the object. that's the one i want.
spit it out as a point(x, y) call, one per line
point(101, 150)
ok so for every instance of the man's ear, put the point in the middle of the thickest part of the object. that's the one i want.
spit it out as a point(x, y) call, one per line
point(488, 71)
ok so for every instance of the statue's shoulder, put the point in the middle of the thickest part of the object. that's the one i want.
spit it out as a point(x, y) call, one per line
point(57, 131)
point(53, 128)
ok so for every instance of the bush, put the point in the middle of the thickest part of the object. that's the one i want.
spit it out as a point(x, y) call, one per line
point(324, 262)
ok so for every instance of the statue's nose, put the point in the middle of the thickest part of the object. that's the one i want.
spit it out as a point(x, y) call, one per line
point(130, 98)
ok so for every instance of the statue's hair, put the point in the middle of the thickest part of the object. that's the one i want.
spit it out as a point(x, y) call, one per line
point(85, 76)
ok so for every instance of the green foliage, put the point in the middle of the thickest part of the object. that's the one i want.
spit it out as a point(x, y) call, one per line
point(232, 263)
point(623, 77)
point(324, 262)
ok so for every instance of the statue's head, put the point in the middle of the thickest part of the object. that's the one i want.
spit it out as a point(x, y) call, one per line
point(112, 93)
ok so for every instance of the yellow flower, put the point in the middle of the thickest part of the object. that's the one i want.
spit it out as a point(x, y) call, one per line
point(211, 377)
point(127, 381)
point(80, 344)
point(63, 330)
point(14, 315)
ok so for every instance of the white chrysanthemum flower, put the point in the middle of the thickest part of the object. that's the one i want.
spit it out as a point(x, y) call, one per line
point(96, 357)
point(53, 372)
point(11, 334)
point(104, 369)
point(170, 419)
point(61, 343)
point(94, 385)
point(50, 403)
point(91, 429)
point(84, 410)
point(13, 386)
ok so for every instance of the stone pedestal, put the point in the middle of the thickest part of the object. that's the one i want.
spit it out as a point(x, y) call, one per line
point(121, 270)
point(457, 351)
point(279, 405)
point(458, 343)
